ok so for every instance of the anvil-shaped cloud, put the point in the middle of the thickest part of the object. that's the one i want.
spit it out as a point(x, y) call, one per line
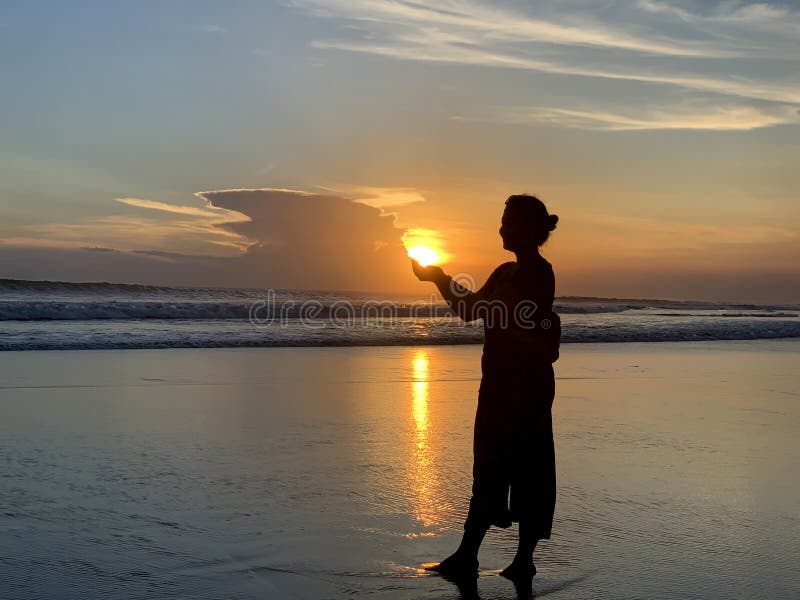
point(288, 239)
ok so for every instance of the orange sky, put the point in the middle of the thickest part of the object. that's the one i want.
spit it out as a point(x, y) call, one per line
point(665, 136)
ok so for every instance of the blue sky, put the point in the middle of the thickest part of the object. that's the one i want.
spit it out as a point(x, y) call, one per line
point(665, 134)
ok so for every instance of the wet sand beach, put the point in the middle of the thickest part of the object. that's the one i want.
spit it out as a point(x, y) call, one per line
point(337, 472)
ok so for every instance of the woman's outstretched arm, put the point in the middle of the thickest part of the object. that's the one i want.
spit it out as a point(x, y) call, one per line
point(466, 303)
point(542, 339)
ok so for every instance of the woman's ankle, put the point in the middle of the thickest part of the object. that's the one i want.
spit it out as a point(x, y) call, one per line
point(525, 558)
point(464, 555)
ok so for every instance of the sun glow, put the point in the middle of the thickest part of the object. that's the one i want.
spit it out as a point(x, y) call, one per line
point(424, 255)
point(425, 246)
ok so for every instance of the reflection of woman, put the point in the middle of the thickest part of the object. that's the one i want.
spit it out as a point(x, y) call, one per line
point(514, 461)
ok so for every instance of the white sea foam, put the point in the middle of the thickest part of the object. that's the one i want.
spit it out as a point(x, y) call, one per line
point(57, 315)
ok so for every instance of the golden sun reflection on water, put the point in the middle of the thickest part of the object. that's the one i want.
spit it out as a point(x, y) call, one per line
point(427, 509)
point(420, 397)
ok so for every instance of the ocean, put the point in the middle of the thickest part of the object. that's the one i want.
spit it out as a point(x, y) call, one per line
point(330, 473)
point(220, 469)
point(37, 315)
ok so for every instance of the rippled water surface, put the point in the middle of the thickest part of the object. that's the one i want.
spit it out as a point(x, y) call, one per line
point(336, 472)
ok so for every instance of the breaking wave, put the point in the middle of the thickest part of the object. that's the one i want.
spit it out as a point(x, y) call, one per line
point(42, 315)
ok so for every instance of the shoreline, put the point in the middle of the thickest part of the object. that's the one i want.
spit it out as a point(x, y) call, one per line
point(421, 344)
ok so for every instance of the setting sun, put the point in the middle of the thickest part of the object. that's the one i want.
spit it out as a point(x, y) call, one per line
point(424, 255)
point(425, 246)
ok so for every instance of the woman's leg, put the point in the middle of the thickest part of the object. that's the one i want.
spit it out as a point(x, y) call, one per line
point(533, 496)
point(464, 561)
point(489, 502)
point(522, 565)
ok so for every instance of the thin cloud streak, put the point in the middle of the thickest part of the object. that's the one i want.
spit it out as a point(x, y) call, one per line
point(641, 50)
point(740, 86)
point(708, 118)
point(382, 198)
point(174, 227)
point(759, 15)
point(212, 212)
point(495, 24)
point(128, 233)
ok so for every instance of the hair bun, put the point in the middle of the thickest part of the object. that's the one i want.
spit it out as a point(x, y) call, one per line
point(553, 221)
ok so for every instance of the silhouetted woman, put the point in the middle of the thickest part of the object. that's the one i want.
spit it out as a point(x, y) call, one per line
point(514, 476)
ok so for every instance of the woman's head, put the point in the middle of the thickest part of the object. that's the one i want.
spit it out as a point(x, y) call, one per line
point(526, 223)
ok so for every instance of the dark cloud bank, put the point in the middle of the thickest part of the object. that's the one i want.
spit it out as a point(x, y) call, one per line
point(301, 241)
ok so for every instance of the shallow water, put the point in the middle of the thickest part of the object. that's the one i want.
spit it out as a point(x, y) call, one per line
point(334, 472)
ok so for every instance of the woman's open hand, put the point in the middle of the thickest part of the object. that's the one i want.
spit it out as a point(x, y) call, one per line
point(431, 273)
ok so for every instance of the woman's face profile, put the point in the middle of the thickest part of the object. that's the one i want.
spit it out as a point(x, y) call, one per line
point(510, 231)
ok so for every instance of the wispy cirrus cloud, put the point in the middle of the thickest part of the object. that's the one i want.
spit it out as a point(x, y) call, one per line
point(378, 197)
point(172, 227)
point(741, 86)
point(745, 50)
point(691, 116)
point(753, 15)
point(491, 24)
point(208, 211)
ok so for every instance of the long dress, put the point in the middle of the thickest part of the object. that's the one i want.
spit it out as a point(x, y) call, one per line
point(514, 474)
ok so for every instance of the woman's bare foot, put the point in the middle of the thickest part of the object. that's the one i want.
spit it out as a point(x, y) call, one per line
point(519, 569)
point(455, 566)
